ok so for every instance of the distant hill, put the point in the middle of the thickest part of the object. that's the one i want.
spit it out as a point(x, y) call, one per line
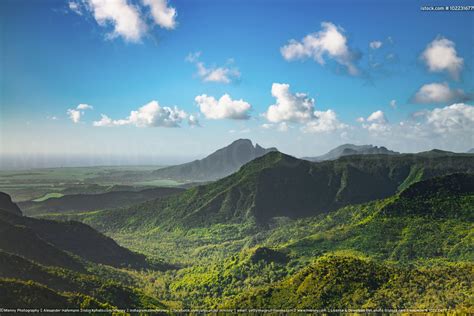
point(471, 151)
point(350, 149)
point(219, 164)
point(278, 185)
point(88, 202)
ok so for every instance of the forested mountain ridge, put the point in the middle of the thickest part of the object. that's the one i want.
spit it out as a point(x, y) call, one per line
point(351, 149)
point(278, 185)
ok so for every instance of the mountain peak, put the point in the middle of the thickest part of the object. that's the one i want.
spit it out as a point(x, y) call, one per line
point(219, 164)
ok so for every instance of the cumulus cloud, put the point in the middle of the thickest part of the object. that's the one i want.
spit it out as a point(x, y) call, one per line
point(299, 108)
point(455, 118)
point(375, 122)
point(330, 42)
point(375, 44)
point(292, 107)
point(125, 17)
point(223, 74)
point(224, 108)
point(438, 93)
point(393, 104)
point(163, 15)
point(440, 56)
point(324, 122)
point(149, 115)
point(449, 127)
point(76, 113)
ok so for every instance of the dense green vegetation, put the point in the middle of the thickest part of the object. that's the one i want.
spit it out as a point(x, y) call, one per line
point(390, 232)
point(335, 281)
point(32, 295)
point(64, 280)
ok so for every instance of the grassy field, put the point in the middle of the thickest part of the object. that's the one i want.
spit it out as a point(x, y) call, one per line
point(49, 196)
point(42, 184)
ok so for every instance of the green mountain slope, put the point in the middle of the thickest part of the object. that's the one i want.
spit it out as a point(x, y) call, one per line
point(406, 227)
point(31, 295)
point(277, 185)
point(62, 280)
point(347, 282)
point(79, 239)
point(48, 264)
point(23, 241)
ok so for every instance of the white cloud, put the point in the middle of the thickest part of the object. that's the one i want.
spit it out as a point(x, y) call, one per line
point(393, 104)
point(149, 115)
point(76, 114)
point(193, 121)
point(456, 118)
point(375, 44)
point(223, 74)
point(224, 108)
point(75, 7)
point(124, 17)
point(163, 15)
point(299, 108)
point(330, 41)
point(84, 106)
point(375, 122)
point(440, 55)
point(324, 122)
point(289, 107)
point(448, 128)
point(377, 116)
point(438, 93)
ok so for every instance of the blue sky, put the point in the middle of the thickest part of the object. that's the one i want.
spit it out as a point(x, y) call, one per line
point(409, 90)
